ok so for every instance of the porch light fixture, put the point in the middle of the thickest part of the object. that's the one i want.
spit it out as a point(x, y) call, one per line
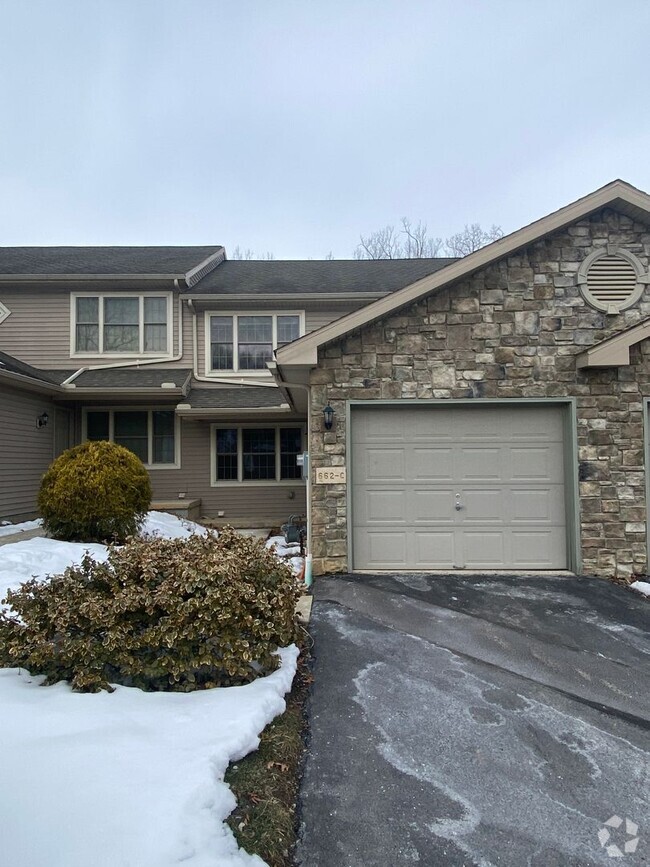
point(328, 417)
point(42, 420)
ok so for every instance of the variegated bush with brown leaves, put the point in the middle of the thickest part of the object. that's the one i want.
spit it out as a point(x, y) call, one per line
point(160, 614)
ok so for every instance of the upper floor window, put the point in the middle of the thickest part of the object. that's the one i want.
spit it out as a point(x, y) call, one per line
point(247, 341)
point(113, 324)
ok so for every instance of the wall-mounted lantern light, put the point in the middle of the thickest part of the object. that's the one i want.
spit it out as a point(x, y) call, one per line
point(42, 420)
point(328, 417)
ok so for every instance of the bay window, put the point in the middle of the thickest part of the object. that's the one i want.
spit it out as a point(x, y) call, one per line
point(247, 341)
point(114, 324)
point(256, 453)
point(150, 434)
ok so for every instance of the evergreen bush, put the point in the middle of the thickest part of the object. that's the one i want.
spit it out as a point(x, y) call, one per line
point(97, 491)
point(160, 614)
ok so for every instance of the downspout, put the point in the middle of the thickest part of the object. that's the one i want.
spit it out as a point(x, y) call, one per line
point(276, 375)
point(140, 362)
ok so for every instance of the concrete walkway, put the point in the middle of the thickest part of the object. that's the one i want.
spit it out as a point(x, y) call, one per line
point(484, 721)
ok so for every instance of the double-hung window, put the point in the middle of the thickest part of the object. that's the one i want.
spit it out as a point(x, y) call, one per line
point(247, 341)
point(115, 324)
point(256, 454)
point(150, 433)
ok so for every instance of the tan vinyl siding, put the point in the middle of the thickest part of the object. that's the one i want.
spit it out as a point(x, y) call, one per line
point(252, 505)
point(37, 330)
point(25, 451)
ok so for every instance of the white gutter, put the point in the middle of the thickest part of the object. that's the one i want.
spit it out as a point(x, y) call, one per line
point(139, 362)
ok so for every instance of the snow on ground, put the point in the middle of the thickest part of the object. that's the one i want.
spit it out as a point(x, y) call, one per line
point(642, 587)
point(169, 526)
point(8, 529)
point(128, 779)
point(288, 552)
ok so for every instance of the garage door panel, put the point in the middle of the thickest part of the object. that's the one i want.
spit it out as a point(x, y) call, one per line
point(539, 549)
point(504, 465)
point(381, 549)
point(482, 505)
point(538, 505)
point(484, 549)
point(430, 464)
point(431, 506)
point(434, 550)
point(383, 464)
point(478, 464)
point(381, 506)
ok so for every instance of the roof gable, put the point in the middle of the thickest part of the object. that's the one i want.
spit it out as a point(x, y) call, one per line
point(615, 351)
point(618, 194)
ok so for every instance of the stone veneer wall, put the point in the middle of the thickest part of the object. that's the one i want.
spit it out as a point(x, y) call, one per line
point(512, 330)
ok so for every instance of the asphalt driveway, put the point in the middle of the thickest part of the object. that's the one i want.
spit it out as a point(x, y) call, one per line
point(477, 721)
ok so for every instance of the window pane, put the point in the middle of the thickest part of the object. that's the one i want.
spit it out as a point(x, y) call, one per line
point(221, 333)
point(258, 454)
point(227, 455)
point(97, 426)
point(87, 338)
point(130, 431)
point(288, 329)
point(88, 311)
point(121, 311)
point(155, 338)
point(254, 356)
point(255, 329)
point(255, 341)
point(155, 311)
point(121, 338)
point(290, 447)
point(87, 326)
point(163, 437)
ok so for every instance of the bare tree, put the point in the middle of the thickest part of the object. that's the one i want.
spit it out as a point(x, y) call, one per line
point(472, 238)
point(412, 241)
point(248, 254)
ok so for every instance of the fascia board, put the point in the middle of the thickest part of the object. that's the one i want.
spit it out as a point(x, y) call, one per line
point(305, 350)
point(615, 351)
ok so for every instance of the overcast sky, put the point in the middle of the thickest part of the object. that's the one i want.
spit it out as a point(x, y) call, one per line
point(291, 126)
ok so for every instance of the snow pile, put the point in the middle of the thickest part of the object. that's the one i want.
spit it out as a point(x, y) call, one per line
point(288, 552)
point(8, 529)
point(642, 587)
point(130, 778)
point(169, 526)
point(125, 779)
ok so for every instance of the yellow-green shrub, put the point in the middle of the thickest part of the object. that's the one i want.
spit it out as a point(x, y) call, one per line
point(160, 614)
point(97, 491)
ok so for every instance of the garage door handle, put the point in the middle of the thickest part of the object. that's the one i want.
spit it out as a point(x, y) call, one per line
point(458, 503)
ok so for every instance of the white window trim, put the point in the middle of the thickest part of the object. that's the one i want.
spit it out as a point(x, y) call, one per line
point(163, 355)
point(209, 371)
point(4, 312)
point(148, 409)
point(214, 483)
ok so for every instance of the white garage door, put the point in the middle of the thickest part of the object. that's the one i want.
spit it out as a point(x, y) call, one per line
point(465, 487)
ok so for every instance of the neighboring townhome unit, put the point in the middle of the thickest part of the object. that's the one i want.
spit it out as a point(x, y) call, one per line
point(166, 351)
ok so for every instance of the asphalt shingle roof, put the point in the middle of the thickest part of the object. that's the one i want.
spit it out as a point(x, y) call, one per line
point(242, 277)
point(13, 365)
point(237, 397)
point(102, 260)
point(127, 377)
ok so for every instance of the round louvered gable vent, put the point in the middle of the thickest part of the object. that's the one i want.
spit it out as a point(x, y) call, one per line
point(612, 279)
